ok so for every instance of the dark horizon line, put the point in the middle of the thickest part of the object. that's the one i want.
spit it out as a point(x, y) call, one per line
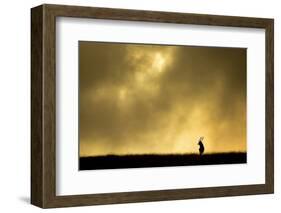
point(143, 161)
point(165, 154)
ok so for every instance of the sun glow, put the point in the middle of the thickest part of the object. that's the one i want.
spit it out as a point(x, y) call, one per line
point(159, 62)
point(122, 94)
point(137, 99)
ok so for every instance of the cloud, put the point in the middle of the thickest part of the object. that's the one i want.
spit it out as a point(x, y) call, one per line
point(161, 99)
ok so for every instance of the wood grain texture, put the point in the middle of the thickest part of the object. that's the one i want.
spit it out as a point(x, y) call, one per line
point(36, 106)
point(269, 138)
point(43, 105)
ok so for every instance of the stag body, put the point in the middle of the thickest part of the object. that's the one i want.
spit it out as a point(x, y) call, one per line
point(201, 146)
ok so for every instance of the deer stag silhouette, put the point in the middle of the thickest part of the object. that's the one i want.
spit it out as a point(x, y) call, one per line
point(201, 146)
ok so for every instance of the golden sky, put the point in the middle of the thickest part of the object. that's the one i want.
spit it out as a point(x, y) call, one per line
point(141, 99)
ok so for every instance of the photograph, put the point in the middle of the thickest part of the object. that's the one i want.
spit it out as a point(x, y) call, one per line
point(170, 105)
point(158, 105)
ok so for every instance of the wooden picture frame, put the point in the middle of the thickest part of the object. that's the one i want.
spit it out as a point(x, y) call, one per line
point(43, 105)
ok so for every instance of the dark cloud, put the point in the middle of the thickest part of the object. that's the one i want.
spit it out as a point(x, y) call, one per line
point(159, 99)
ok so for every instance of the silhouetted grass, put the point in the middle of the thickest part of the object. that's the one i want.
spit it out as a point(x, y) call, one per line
point(154, 160)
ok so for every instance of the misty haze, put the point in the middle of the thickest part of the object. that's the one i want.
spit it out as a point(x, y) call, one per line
point(144, 105)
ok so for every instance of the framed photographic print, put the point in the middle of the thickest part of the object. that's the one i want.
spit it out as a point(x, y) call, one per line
point(135, 106)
